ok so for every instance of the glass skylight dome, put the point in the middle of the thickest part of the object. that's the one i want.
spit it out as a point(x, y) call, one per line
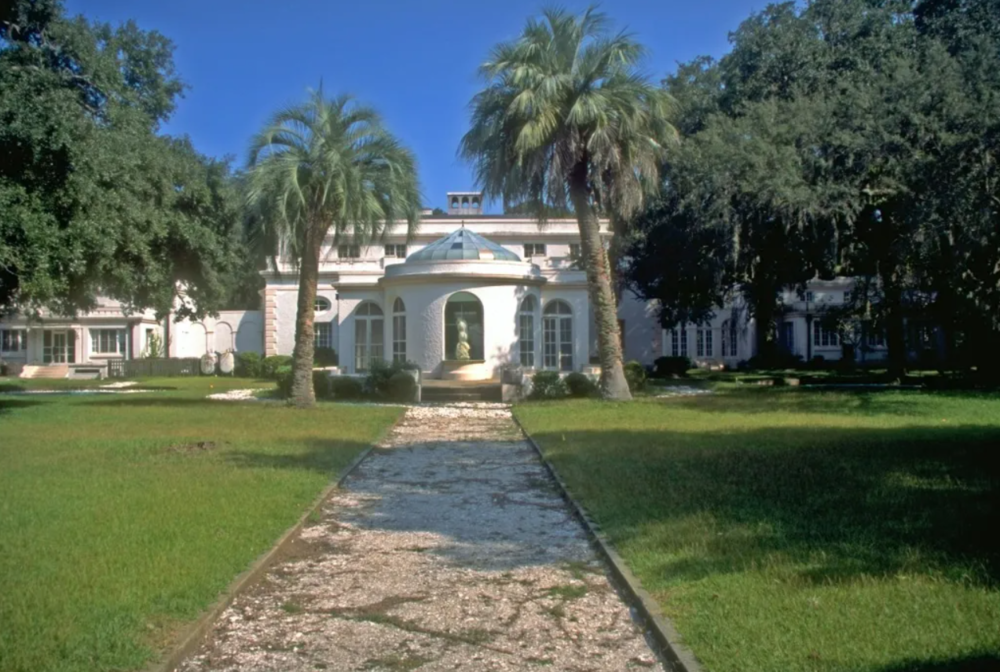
point(463, 244)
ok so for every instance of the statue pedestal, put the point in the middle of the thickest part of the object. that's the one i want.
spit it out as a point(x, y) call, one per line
point(464, 369)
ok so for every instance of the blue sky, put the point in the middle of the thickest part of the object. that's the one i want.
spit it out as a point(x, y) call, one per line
point(414, 60)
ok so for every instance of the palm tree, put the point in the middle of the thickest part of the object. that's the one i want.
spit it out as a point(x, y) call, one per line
point(565, 118)
point(326, 165)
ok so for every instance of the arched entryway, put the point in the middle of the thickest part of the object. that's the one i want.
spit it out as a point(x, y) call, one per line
point(463, 310)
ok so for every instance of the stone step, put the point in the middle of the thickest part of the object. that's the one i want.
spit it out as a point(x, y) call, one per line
point(50, 372)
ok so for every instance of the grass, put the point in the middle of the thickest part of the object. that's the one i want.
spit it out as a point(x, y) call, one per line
point(123, 516)
point(795, 530)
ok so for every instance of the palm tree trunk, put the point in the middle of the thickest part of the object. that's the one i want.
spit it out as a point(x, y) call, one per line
point(595, 261)
point(302, 357)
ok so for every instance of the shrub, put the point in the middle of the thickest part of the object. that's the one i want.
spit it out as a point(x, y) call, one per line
point(321, 385)
point(345, 387)
point(670, 367)
point(579, 385)
point(325, 357)
point(402, 386)
point(248, 365)
point(284, 377)
point(270, 365)
point(547, 385)
point(635, 376)
point(377, 382)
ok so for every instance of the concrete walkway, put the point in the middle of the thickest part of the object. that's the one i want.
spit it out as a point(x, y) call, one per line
point(449, 548)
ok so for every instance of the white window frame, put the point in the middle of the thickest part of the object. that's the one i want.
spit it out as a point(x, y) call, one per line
point(395, 251)
point(534, 250)
point(348, 251)
point(526, 331)
point(398, 331)
point(15, 337)
point(823, 337)
point(100, 339)
point(371, 316)
point(322, 335)
point(730, 339)
point(705, 347)
point(320, 302)
point(557, 351)
point(679, 337)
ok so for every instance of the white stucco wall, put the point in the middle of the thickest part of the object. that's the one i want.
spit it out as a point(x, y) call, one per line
point(239, 330)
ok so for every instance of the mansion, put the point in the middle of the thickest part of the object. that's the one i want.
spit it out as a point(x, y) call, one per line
point(511, 288)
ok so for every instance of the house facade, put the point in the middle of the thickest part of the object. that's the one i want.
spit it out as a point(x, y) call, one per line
point(81, 342)
point(468, 294)
point(465, 296)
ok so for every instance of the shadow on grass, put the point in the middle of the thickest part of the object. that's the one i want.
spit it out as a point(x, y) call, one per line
point(9, 405)
point(324, 456)
point(143, 400)
point(843, 503)
point(770, 400)
point(983, 663)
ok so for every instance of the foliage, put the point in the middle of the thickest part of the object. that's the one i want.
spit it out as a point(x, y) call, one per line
point(379, 374)
point(635, 374)
point(669, 367)
point(838, 137)
point(83, 591)
point(322, 385)
point(270, 365)
point(95, 201)
point(566, 120)
point(854, 528)
point(283, 375)
point(346, 388)
point(320, 167)
point(547, 385)
point(579, 385)
point(402, 386)
point(249, 365)
point(325, 357)
point(155, 346)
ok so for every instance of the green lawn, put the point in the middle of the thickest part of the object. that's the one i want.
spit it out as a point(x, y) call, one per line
point(118, 524)
point(792, 530)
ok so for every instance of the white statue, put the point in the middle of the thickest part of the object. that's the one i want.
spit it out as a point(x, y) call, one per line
point(462, 349)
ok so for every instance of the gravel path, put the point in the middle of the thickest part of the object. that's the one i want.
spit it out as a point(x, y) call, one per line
point(448, 549)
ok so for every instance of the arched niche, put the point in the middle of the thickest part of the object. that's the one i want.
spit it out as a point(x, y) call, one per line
point(465, 307)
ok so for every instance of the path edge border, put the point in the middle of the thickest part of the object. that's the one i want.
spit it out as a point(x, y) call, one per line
point(677, 656)
point(195, 633)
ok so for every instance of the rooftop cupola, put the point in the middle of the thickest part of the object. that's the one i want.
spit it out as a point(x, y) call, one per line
point(465, 202)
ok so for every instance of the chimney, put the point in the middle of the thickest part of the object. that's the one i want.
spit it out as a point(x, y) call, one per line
point(465, 202)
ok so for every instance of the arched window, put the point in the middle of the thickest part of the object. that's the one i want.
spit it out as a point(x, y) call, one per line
point(557, 336)
point(729, 338)
point(322, 304)
point(463, 314)
point(454, 202)
point(398, 331)
point(368, 335)
point(526, 331)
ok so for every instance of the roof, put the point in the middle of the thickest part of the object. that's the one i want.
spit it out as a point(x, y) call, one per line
point(463, 244)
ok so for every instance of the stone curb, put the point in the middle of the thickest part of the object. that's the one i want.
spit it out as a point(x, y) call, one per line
point(676, 656)
point(196, 633)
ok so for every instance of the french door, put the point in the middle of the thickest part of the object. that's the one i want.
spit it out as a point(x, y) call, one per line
point(58, 347)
